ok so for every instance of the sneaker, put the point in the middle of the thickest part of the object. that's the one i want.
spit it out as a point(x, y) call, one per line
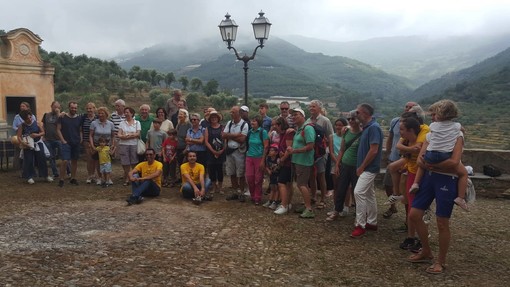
point(416, 248)
point(247, 192)
point(139, 200)
point(208, 197)
point(371, 227)
point(273, 205)
point(88, 181)
point(267, 203)
point(344, 213)
point(49, 179)
point(300, 209)
point(414, 188)
point(281, 210)
point(130, 200)
point(427, 216)
point(388, 213)
point(109, 182)
point(233, 196)
point(73, 181)
point(99, 182)
point(307, 214)
point(60, 183)
point(461, 203)
point(31, 181)
point(242, 198)
point(407, 243)
point(329, 213)
point(358, 232)
point(393, 199)
point(332, 216)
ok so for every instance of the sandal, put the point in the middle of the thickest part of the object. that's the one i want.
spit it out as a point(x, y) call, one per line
point(432, 269)
point(321, 205)
point(419, 258)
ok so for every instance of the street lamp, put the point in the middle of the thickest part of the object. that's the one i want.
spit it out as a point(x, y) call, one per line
point(228, 30)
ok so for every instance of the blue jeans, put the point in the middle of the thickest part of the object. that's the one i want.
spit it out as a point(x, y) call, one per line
point(55, 146)
point(144, 188)
point(432, 156)
point(31, 159)
point(188, 192)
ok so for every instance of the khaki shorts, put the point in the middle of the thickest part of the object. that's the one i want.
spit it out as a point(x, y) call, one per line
point(302, 174)
point(235, 164)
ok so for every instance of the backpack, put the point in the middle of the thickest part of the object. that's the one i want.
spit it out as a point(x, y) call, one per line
point(320, 143)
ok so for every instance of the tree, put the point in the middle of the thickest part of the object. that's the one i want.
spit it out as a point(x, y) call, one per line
point(82, 85)
point(184, 82)
point(169, 79)
point(211, 88)
point(134, 72)
point(141, 86)
point(159, 78)
point(196, 84)
point(193, 101)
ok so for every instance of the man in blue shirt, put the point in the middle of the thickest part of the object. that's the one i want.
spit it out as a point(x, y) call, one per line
point(368, 165)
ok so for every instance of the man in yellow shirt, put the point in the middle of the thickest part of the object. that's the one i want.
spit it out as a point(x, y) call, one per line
point(145, 178)
point(194, 183)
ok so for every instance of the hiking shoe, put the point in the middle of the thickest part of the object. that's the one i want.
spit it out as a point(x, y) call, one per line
point(371, 227)
point(30, 181)
point(358, 232)
point(233, 196)
point(60, 183)
point(461, 203)
point(281, 210)
point(273, 205)
point(414, 188)
point(427, 216)
point(388, 213)
point(307, 213)
point(73, 181)
point(407, 243)
point(197, 200)
point(416, 248)
point(393, 199)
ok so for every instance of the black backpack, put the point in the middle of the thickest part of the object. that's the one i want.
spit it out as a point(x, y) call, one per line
point(321, 142)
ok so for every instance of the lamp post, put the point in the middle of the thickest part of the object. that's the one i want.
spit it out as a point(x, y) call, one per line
point(228, 30)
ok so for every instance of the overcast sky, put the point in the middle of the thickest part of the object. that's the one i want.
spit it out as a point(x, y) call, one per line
point(106, 28)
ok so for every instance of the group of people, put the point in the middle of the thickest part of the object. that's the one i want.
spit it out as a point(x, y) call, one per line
point(286, 148)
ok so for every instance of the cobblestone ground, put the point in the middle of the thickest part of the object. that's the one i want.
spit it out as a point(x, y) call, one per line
point(87, 236)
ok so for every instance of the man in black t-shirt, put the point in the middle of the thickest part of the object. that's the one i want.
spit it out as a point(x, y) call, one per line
point(69, 133)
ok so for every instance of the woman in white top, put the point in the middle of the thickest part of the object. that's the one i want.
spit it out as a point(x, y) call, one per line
point(166, 124)
point(129, 132)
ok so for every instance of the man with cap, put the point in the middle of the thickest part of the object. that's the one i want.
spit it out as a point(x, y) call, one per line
point(235, 133)
point(302, 151)
point(244, 112)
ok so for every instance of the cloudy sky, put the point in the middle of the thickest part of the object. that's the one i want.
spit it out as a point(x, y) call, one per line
point(106, 28)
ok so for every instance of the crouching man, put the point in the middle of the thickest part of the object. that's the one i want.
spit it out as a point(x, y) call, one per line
point(194, 183)
point(145, 178)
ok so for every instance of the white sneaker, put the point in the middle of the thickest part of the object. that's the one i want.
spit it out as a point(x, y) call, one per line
point(281, 210)
point(88, 181)
point(31, 181)
point(267, 204)
point(247, 192)
point(344, 213)
point(99, 182)
point(330, 213)
point(109, 182)
point(49, 179)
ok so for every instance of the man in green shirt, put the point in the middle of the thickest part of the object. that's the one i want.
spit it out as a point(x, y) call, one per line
point(302, 152)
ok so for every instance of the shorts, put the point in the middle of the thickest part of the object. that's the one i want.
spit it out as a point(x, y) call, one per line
point(105, 167)
point(70, 151)
point(302, 174)
point(442, 188)
point(436, 156)
point(128, 155)
point(235, 164)
point(273, 179)
point(285, 175)
point(320, 164)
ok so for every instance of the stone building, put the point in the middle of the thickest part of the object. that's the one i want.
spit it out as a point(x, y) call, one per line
point(24, 77)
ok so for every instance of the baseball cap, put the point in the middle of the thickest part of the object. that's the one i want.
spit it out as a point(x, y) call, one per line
point(245, 109)
point(298, 110)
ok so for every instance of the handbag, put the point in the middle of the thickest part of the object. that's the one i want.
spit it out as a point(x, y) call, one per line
point(140, 148)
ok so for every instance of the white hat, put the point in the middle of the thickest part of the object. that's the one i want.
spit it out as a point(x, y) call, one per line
point(298, 110)
point(245, 108)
